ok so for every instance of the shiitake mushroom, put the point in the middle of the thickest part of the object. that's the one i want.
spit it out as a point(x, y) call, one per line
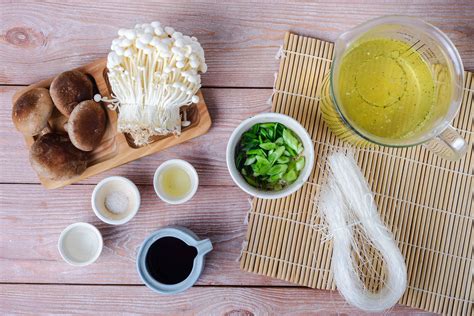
point(54, 157)
point(59, 156)
point(32, 110)
point(70, 88)
point(86, 125)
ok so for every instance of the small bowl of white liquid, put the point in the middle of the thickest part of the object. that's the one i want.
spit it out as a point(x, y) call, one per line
point(80, 244)
point(175, 181)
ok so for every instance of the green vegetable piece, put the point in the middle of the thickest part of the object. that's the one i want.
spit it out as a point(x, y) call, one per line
point(249, 145)
point(261, 166)
point(271, 134)
point(283, 159)
point(279, 141)
point(262, 160)
point(275, 177)
point(292, 165)
point(277, 186)
point(251, 181)
point(268, 125)
point(291, 152)
point(300, 163)
point(254, 129)
point(238, 159)
point(300, 149)
point(264, 133)
point(250, 160)
point(279, 129)
point(276, 169)
point(290, 140)
point(290, 176)
point(257, 152)
point(268, 146)
point(249, 134)
point(276, 154)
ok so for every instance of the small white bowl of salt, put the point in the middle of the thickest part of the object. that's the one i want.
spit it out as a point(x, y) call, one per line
point(115, 200)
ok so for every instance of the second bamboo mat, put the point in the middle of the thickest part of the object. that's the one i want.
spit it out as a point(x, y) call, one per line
point(425, 201)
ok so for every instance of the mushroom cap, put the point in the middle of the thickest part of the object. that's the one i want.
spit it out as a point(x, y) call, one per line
point(54, 157)
point(86, 125)
point(32, 110)
point(68, 89)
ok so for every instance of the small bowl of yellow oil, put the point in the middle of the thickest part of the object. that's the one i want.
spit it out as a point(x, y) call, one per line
point(175, 181)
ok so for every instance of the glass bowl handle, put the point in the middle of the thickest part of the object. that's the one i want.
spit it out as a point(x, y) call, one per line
point(448, 145)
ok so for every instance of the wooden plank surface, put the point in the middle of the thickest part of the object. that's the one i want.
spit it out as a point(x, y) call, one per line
point(40, 299)
point(239, 38)
point(39, 39)
point(31, 220)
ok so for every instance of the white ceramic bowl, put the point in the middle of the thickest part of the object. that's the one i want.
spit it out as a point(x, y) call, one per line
point(114, 185)
point(80, 244)
point(270, 118)
point(188, 168)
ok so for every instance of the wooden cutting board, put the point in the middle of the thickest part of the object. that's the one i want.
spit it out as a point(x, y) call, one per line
point(118, 148)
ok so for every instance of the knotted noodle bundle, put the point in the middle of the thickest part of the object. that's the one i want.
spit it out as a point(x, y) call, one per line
point(347, 205)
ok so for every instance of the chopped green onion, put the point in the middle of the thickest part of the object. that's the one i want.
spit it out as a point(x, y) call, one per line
point(269, 156)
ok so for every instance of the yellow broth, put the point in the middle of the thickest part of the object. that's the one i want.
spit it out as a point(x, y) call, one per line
point(385, 88)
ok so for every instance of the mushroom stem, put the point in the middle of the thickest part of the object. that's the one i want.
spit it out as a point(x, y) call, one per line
point(185, 121)
point(46, 130)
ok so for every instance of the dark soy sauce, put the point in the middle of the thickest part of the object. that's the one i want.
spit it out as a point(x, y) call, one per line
point(170, 260)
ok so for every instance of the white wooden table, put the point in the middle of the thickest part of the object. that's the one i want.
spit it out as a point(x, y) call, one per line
point(39, 40)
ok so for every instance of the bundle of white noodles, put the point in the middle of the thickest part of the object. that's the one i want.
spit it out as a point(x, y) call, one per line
point(354, 225)
point(153, 71)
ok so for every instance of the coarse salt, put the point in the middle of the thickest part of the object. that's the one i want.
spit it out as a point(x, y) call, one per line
point(116, 202)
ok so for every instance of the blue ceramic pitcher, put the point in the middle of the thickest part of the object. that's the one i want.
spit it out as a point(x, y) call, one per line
point(187, 236)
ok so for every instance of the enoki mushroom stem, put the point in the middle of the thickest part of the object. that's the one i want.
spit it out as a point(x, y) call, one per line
point(153, 71)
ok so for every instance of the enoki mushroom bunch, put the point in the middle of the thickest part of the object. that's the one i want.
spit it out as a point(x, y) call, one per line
point(153, 71)
point(348, 207)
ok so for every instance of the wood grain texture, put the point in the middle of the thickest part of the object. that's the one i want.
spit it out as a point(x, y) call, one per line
point(60, 299)
point(31, 219)
point(228, 107)
point(41, 39)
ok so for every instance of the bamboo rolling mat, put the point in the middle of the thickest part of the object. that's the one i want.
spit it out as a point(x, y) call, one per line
point(425, 201)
